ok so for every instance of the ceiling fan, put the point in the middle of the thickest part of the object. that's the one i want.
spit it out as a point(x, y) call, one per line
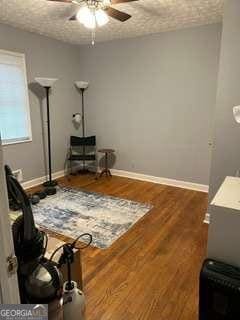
point(97, 12)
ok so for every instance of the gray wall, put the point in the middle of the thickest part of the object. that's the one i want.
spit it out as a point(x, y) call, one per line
point(48, 58)
point(226, 152)
point(152, 99)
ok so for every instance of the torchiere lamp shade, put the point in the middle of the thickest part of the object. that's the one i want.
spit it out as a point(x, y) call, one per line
point(46, 82)
point(81, 84)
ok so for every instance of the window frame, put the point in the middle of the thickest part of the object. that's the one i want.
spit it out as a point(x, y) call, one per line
point(27, 108)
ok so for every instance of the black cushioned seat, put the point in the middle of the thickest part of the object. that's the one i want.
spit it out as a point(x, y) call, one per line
point(80, 157)
point(82, 149)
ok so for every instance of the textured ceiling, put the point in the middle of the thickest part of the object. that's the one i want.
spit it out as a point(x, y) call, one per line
point(148, 16)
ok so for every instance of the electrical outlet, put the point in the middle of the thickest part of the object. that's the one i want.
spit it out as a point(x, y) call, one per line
point(18, 175)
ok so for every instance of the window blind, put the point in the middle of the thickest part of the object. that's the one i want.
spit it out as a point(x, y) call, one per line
point(14, 105)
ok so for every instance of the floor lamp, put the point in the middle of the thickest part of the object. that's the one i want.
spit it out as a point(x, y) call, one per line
point(82, 86)
point(47, 83)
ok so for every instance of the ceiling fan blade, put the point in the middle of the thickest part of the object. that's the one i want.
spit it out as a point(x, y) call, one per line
point(116, 14)
point(121, 1)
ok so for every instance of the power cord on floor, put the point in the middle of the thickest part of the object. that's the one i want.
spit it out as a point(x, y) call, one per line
point(73, 244)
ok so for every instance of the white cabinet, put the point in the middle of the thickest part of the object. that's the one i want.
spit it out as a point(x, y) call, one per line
point(224, 229)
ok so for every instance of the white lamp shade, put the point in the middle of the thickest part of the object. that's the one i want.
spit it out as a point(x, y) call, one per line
point(77, 118)
point(84, 14)
point(101, 17)
point(81, 84)
point(46, 82)
point(236, 113)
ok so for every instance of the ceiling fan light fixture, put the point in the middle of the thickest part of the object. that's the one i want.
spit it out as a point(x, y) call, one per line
point(90, 17)
point(101, 17)
point(106, 3)
point(91, 22)
point(86, 17)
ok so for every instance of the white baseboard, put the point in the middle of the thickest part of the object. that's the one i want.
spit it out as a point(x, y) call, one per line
point(128, 174)
point(207, 218)
point(40, 180)
point(159, 180)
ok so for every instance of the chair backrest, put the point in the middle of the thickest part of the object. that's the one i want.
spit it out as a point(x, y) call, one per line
point(80, 141)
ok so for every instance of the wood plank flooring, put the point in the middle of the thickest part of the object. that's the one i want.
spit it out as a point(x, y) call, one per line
point(151, 272)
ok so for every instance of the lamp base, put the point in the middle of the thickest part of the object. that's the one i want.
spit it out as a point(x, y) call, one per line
point(52, 183)
point(50, 191)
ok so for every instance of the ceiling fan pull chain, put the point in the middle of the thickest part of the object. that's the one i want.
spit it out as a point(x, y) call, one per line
point(93, 37)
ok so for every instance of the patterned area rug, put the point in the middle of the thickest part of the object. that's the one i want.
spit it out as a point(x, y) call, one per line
point(73, 211)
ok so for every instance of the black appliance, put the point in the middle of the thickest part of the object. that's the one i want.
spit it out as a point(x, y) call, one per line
point(219, 293)
point(39, 279)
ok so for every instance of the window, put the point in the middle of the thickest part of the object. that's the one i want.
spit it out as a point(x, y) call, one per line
point(15, 124)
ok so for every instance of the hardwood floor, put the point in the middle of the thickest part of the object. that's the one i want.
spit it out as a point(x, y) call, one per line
point(151, 272)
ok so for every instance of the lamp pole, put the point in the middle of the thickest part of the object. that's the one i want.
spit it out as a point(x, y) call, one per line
point(49, 183)
point(83, 130)
point(83, 115)
point(82, 86)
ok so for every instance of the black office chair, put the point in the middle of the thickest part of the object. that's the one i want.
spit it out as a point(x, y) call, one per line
point(82, 149)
